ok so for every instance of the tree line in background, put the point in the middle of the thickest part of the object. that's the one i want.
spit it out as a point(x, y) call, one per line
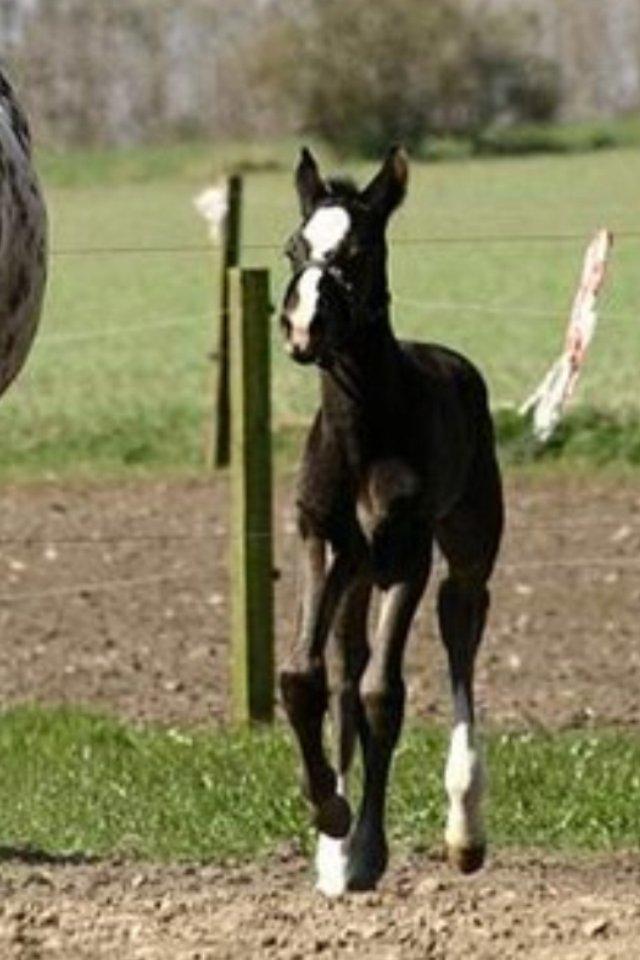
point(362, 74)
point(354, 72)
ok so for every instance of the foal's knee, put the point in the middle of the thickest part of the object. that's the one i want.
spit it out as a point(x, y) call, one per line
point(304, 693)
point(383, 706)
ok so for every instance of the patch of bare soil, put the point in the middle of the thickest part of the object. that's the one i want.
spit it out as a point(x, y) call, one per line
point(521, 907)
point(117, 596)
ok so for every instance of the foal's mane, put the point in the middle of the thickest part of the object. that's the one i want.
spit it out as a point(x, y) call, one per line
point(342, 188)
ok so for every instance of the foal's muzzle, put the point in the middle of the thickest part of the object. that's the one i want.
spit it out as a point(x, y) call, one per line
point(298, 344)
point(302, 355)
point(314, 304)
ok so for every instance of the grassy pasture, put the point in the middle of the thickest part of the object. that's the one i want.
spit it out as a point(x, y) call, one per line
point(118, 380)
point(75, 782)
point(119, 374)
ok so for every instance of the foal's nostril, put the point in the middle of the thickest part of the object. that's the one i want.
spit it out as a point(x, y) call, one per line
point(297, 337)
point(293, 345)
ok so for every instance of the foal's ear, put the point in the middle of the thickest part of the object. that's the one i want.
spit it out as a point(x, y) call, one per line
point(387, 189)
point(309, 184)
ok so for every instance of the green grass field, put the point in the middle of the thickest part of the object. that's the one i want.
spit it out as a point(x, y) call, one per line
point(74, 782)
point(120, 377)
point(120, 380)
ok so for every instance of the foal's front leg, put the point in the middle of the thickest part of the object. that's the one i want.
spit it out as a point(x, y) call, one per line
point(303, 682)
point(382, 694)
point(347, 654)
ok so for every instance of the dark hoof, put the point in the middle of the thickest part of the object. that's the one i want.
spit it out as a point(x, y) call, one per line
point(364, 881)
point(467, 859)
point(333, 817)
point(367, 863)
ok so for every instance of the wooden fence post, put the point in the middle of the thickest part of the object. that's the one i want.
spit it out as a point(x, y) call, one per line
point(219, 448)
point(251, 539)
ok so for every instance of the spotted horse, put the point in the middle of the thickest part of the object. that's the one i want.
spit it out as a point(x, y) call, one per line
point(400, 455)
point(23, 238)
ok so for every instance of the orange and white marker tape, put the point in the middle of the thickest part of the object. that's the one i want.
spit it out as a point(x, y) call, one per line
point(549, 400)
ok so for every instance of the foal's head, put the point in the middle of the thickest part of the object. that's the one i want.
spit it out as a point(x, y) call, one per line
point(338, 258)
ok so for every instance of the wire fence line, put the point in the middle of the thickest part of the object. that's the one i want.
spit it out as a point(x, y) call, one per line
point(96, 586)
point(621, 530)
point(90, 587)
point(445, 240)
point(74, 540)
point(101, 540)
point(476, 307)
point(497, 309)
point(53, 340)
point(58, 339)
point(477, 239)
point(111, 251)
point(597, 563)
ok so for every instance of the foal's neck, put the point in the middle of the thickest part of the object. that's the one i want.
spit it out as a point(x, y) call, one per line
point(361, 392)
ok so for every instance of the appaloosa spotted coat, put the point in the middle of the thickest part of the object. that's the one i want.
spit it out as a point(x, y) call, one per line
point(23, 238)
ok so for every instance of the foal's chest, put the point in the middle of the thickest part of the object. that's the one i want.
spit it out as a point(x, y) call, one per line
point(388, 489)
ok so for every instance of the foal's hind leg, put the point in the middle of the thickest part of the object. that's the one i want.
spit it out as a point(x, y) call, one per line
point(469, 539)
point(347, 654)
point(303, 683)
point(462, 609)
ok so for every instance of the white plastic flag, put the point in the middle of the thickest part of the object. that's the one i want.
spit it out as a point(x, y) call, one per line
point(550, 398)
point(212, 204)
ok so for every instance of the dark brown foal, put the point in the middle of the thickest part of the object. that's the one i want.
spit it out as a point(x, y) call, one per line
point(401, 453)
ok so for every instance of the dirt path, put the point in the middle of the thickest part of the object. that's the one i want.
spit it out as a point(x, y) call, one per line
point(563, 632)
point(521, 907)
point(119, 600)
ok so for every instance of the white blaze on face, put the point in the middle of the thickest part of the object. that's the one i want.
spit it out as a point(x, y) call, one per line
point(464, 782)
point(325, 230)
point(301, 316)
